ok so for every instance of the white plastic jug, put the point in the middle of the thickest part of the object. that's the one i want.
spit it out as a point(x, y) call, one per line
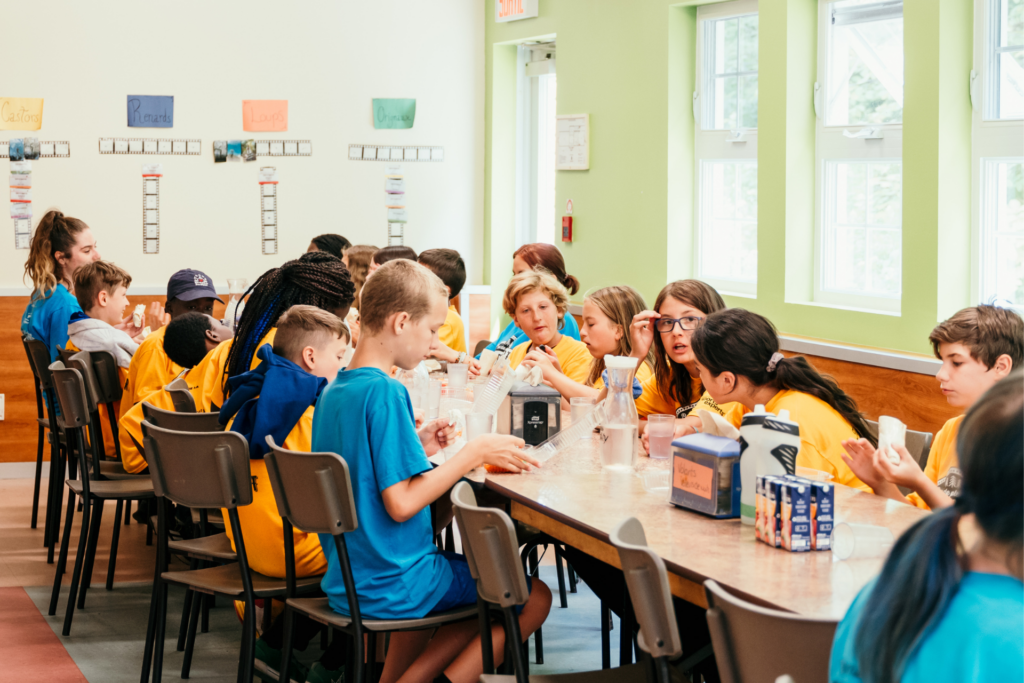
point(752, 444)
point(781, 445)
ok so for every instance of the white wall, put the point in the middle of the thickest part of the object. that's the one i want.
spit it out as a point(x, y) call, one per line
point(327, 57)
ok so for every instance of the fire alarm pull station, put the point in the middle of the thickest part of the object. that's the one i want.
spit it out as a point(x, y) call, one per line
point(567, 222)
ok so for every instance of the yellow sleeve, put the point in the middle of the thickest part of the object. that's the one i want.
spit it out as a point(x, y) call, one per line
point(575, 362)
point(518, 354)
point(452, 333)
point(651, 402)
point(733, 412)
point(130, 427)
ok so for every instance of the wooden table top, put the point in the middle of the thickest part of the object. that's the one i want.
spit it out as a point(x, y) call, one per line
point(575, 500)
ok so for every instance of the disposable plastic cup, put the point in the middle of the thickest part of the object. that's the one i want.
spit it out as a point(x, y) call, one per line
point(858, 541)
point(457, 375)
point(814, 475)
point(659, 435)
point(580, 406)
point(478, 424)
point(433, 398)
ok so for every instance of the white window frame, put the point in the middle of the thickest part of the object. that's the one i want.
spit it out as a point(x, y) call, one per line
point(535, 139)
point(713, 145)
point(992, 139)
point(831, 146)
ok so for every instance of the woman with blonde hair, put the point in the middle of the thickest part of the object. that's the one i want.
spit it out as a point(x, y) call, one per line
point(607, 316)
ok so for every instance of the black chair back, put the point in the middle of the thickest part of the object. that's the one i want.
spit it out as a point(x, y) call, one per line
point(107, 377)
point(181, 422)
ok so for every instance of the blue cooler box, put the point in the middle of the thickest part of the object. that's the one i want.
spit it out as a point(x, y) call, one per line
point(706, 475)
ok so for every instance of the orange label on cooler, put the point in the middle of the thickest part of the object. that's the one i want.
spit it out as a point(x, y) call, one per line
point(692, 477)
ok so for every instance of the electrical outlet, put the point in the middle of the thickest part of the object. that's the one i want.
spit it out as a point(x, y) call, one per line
point(1, 406)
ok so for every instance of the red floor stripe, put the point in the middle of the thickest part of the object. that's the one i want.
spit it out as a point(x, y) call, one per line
point(31, 651)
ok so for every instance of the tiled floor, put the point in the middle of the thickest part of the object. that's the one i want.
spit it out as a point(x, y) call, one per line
point(107, 636)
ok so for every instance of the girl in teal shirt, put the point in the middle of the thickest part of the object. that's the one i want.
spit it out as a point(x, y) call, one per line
point(939, 612)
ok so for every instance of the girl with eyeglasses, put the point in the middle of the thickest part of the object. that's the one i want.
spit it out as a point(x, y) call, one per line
point(675, 387)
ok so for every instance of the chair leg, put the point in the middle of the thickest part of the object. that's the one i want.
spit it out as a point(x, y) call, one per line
point(371, 656)
point(112, 563)
point(561, 577)
point(90, 550)
point(538, 645)
point(56, 498)
point(186, 664)
point(286, 646)
point(185, 609)
point(486, 642)
point(627, 624)
point(207, 603)
point(449, 537)
point(248, 644)
point(161, 623)
point(127, 512)
point(39, 476)
point(76, 575)
point(606, 637)
point(147, 656)
point(62, 559)
point(514, 638)
point(572, 577)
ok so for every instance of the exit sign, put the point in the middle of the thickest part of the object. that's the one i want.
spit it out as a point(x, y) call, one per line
point(513, 10)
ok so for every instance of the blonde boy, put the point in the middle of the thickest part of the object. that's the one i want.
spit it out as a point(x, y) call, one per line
point(367, 418)
point(978, 347)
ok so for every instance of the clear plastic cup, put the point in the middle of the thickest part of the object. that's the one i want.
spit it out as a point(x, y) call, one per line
point(478, 424)
point(433, 399)
point(857, 541)
point(659, 435)
point(580, 406)
point(457, 375)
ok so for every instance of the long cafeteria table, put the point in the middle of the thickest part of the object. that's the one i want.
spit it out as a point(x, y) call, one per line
point(573, 499)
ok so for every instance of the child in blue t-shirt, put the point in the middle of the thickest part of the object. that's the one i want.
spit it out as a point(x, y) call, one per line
point(947, 608)
point(366, 417)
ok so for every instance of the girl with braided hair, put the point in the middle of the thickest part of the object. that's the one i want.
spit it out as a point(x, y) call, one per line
point(315, 279)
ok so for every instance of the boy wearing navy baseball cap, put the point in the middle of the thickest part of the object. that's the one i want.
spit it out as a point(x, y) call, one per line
point(190, 290)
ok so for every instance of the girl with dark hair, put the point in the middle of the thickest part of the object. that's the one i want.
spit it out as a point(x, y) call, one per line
point(941, 610)
point(335, 245)
point(385, 254)
point(60, 246)
point(549, 258)
point(315, 279)
point(738, 359)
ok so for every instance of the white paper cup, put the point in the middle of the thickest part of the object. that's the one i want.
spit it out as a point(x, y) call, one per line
point(858, 541)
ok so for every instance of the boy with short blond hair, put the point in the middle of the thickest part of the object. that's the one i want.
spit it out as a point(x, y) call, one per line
point(277, 399)
point(448, 265)
point(366, 417)
point(978, 346)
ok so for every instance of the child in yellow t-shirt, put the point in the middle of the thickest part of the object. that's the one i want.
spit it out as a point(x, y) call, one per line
point(538, 304)
point(739, 360)
point(187, 291)
point(192, 340)
point(449, 266)
point(978, 347)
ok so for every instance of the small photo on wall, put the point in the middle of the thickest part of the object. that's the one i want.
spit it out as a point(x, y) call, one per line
point(249, 150)
point(31, 148)
point(220, 151)
point(16, 149)
point(234, 150)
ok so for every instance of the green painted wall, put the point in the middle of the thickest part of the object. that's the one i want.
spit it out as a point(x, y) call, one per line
point(630, 65)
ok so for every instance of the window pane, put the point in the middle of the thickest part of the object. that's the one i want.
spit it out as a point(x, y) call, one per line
point(1011, 23)
point(728, 240)
point(863, 233)
point(1003, 230)
point(730, 78)
point(865, 77)
point(1011, 84)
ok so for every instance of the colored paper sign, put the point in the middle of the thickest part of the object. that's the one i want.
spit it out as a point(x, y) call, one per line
point(513, 10)
point(692, 477)
point(264, 115)
point(150, 111)
point(21, 113)
point(394, 113)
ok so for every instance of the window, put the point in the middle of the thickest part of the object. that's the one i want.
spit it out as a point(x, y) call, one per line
point(725, 110)
point(536, 138)
point(859, 186)
point(997, 144)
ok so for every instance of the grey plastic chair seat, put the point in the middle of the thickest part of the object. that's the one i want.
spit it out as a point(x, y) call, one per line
point(216, 547)
point(225, 580)
point(319, 610)
point(632, 673)
point(112, 469)
point(136, 488)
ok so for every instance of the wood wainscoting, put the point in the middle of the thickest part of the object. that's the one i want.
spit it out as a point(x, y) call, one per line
point(18, 432)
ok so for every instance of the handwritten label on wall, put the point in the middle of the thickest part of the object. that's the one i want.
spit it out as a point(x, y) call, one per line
point(394, 113)
point(264, 115)
point(692, 477)
point(21, 113)
point(150, 111)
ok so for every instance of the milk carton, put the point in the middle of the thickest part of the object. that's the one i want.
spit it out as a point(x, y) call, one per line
point(822, 515)
point(773, 511)
point(761, 506)
point(796, 515)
